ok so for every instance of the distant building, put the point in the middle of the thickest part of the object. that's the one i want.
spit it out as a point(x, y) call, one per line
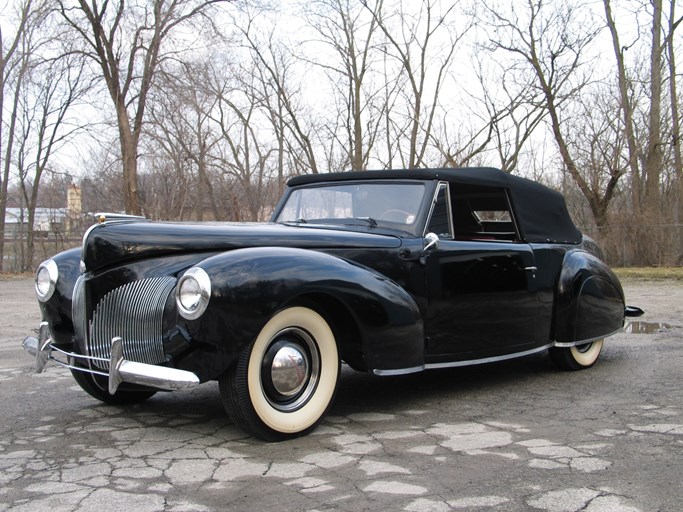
point(46, 220)
point(74, 208)
point(74, 200)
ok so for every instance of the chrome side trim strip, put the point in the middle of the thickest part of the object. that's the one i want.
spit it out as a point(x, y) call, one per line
point(434, 366)
point(455, 364)
point(471, 362)
point(398, 371)
point(568, 344)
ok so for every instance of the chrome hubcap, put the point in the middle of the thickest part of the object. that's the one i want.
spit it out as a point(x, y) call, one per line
point(583, 348)
point(290, 369)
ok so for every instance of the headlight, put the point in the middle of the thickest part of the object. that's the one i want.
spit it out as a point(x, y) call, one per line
point(193, 293)
point(46, 280)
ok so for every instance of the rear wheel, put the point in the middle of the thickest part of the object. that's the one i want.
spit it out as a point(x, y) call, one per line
point(578, 357)
point(284, 382)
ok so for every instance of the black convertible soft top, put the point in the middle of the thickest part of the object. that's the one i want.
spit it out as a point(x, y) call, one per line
point(541, 212)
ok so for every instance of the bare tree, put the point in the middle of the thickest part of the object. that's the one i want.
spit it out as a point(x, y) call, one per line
point(346, 29)
point(14, 65)
point(128, 41)
point(423, 45)
point(52, 89)
point(673, 24)
point(272, 74)
point(102, 186)
point(646, 124)
point(550, 41)
point(501, 119)
point(627, 107)
point(653, 152)
point(181, 126)
point(247, 157)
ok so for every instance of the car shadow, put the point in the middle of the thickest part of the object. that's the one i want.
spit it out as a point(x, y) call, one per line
point(450, 390)
point(362, 392)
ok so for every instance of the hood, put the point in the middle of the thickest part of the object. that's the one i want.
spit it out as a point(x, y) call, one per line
point(115, 243)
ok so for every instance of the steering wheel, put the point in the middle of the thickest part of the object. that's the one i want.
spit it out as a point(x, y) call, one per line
point(395, 215)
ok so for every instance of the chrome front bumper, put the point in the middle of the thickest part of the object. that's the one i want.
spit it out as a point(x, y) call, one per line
point(120, 369)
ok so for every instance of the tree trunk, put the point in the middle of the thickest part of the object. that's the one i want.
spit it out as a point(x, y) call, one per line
point(675, 133)
point(129, 160)
point(357, 158)
point(6, 168)
point(653, 155)
point(627, 110)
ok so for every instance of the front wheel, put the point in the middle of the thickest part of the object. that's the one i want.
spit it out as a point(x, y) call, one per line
point(578, 357)
point(284, 382)
point(97, 388)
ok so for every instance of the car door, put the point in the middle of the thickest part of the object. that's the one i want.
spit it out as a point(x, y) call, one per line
point(482, 298)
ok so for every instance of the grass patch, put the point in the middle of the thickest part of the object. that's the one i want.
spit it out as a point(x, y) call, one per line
point(650, 273)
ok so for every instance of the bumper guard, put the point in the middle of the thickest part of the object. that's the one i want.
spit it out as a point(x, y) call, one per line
point(120, 369)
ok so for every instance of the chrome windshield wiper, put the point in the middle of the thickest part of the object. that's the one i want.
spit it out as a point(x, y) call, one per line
point(371, 222)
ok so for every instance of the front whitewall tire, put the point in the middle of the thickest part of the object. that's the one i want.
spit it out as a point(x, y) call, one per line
point(245, 388)
point(310, 412)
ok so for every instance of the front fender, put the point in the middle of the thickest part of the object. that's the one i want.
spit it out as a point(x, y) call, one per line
point(248, 286)
point(57, 310)
point(589, 300)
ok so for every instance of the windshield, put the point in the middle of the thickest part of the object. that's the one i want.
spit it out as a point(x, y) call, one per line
point(394, 205)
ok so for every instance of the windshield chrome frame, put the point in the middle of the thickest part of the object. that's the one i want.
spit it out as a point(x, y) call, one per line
point(416, 229)
point(449, 211)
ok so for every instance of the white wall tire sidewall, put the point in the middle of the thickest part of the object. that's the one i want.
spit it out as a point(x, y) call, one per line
point(311, 412)
point(588, 357)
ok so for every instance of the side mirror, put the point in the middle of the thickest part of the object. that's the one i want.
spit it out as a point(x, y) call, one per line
point(431, 242)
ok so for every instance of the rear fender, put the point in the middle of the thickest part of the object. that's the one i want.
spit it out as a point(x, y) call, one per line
point(589, 300)
point(248, 286)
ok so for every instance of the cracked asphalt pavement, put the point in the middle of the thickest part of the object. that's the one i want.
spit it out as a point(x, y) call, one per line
point(513, 436)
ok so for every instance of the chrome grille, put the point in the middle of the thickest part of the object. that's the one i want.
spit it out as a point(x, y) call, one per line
point(135, 313)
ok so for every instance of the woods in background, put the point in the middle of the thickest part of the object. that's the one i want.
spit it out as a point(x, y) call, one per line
point(200, 110)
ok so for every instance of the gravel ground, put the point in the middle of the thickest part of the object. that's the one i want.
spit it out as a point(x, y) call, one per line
point(513, 436)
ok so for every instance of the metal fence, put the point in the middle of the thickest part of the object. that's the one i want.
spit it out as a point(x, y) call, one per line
point(15, 258)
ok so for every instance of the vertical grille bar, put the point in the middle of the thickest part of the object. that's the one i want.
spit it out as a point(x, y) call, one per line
point(78, 313)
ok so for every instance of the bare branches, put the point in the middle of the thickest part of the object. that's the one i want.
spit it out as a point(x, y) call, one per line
point(216, 108)
point(129, 66)
point(424, 62)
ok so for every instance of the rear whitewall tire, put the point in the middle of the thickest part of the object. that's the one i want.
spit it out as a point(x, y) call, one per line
point(586, 355)
point(578, 357)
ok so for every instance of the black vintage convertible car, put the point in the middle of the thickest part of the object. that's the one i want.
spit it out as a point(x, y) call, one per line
point(391, 272)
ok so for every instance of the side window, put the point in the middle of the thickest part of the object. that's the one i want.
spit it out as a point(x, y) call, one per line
point(482, 213)
point(441, 218)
